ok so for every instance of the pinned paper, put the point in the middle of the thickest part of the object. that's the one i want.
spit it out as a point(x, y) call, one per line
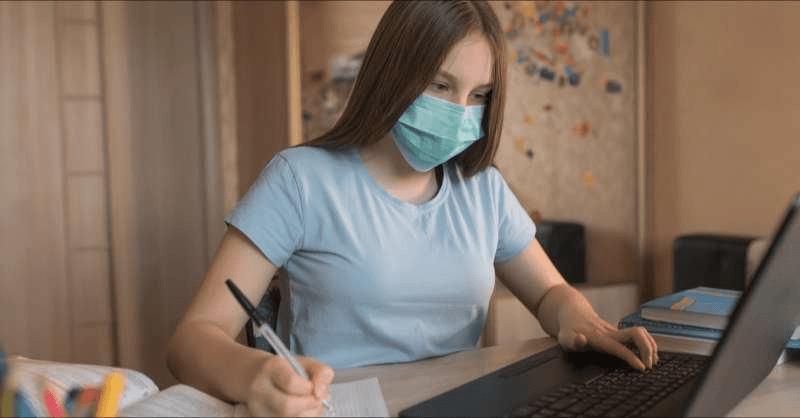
point(613, 87)
point(528, 9)
point(589, 179)
point(583, 128)
point(603, 80)
point(519, 144)
point(593, 42)
point(543, 55)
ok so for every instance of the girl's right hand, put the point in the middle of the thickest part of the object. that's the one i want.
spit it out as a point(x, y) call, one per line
point(276, 390)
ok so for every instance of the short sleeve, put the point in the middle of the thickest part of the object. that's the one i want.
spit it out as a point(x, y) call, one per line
point(270, 213)
point(515, 227)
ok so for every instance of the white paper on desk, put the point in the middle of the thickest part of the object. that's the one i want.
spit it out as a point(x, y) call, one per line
point(359, 398)
point(179, 401)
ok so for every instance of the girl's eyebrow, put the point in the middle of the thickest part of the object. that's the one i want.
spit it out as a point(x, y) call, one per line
point(452, 78)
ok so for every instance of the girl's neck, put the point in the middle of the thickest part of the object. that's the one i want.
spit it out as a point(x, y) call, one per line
point(389, 169)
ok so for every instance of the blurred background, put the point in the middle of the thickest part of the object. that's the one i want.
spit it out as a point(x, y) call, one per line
point(129, 129)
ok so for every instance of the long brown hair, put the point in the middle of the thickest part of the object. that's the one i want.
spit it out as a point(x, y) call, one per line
point(408, 47)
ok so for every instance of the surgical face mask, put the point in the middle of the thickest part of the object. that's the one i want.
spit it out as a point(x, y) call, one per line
point(433, 130)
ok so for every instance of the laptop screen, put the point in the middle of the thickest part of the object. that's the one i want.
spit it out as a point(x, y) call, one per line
point(761, 324)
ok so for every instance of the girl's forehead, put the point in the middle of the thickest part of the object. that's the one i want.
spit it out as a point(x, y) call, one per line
point(470, 57)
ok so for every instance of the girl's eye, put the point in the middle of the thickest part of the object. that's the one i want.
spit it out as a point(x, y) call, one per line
point(438, 86)
point(482, 96)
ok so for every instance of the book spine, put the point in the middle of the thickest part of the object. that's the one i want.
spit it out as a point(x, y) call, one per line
point(634, 320)
point(705, 334)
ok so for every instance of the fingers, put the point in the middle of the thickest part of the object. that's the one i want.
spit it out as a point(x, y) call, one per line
point(286, 379)
point(654, 345)
point(648, 349)
point(614, 347)
point(273, 403)
point(277, 390)
point(321, 376)
point(612, 342)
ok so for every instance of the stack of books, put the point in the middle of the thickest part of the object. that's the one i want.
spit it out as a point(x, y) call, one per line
point(701, 313)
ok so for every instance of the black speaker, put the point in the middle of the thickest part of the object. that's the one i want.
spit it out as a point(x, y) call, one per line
point(710, 260)
point(565, 244)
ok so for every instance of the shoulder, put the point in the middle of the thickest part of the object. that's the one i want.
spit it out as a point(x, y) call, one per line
point(309, 157)
point(486, 179)
point(306, 162)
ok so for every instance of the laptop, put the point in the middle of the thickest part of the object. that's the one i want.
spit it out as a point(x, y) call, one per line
point(558, 383)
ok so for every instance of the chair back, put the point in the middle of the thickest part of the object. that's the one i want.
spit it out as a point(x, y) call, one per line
point(268, 308)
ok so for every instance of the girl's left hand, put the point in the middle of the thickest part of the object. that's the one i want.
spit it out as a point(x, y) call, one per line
point(581, 329)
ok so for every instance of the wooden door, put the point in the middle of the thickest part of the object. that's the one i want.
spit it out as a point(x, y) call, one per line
point(166, 205)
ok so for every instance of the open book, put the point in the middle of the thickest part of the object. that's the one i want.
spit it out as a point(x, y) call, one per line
point(141, 396)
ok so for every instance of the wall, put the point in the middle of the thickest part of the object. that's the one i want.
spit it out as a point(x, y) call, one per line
point(164, 180)
point(569, 145)
point(55, 301)
point(109, 174)
point(331, 28)
point(724, 155)
point(261, 59)
point(331, 31)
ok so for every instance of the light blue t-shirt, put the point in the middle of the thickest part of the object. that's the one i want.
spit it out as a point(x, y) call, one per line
point(373, 279)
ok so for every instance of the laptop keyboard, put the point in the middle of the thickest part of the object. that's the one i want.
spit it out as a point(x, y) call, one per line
point(621, 392)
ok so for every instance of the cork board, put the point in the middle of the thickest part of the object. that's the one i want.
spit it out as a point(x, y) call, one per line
point(569, 140)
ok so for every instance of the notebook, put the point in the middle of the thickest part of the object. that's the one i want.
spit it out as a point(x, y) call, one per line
point(762, 322)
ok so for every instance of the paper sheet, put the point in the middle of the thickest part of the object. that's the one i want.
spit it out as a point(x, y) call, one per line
point(360, 398)
point(179, 400)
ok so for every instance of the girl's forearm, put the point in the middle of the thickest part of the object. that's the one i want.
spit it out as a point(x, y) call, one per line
point(203, 356)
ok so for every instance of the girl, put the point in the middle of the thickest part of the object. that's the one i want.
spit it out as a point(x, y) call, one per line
point(391, 228)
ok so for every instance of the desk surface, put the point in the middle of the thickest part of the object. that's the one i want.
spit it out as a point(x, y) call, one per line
point(405, 385)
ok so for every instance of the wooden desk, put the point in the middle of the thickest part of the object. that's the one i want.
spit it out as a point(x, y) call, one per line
point(405, 385)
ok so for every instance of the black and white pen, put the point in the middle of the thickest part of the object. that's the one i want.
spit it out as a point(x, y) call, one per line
point(265, 331)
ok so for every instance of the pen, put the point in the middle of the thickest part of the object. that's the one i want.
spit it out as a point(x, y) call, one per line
point(265, 331)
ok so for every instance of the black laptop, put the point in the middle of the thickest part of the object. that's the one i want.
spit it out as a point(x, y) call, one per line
point(557, 383)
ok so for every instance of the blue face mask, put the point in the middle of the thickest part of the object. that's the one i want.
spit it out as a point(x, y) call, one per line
point(433, 130)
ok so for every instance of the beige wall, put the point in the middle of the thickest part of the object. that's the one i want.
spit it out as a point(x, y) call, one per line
point(111, 201)
point(330, 28)
point(55, 299)
point(723, 120)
